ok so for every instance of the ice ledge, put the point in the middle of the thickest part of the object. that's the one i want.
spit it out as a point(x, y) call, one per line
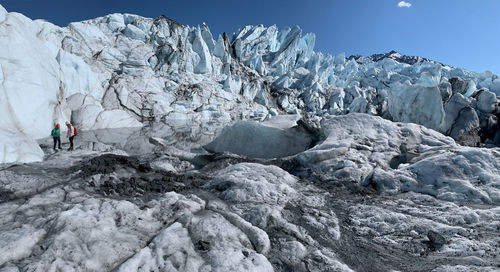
point(17, 147)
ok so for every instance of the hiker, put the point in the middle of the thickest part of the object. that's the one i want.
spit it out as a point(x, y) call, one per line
point(71, 134)
point(56, 135)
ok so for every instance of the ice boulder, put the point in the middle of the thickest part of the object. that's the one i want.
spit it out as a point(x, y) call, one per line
point(452, 109)
point(356, 144)
point(466, 87)
point(445, 88)
point(463, 175)
point(486, 101)
point(495, 86)
point(17, 147)
point(471, 89)
point(255, 140)
point(465, 128)
point(416, 104)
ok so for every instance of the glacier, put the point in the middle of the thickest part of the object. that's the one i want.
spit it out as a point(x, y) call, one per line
point(247, 151)
point(108, 72)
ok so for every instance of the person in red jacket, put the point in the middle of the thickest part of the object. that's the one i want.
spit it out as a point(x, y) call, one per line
point(71, 135)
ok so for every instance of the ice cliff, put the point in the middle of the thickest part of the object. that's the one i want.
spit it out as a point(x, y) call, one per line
point(123, 70)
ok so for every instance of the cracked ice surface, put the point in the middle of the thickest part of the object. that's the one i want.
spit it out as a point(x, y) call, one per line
point(324, 209)
point(67, 226)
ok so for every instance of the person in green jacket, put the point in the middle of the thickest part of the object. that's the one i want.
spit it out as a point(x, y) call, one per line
point(56, 135)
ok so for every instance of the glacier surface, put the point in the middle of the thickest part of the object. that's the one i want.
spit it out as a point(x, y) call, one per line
point(387, 193)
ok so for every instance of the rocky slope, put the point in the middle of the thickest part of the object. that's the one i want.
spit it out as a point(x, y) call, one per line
point(124, 70)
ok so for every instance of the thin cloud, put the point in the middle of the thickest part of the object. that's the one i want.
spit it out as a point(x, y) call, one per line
point(404, 4)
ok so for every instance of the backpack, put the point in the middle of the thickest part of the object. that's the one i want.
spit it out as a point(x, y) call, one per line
point(74, 131)
point(53, 132)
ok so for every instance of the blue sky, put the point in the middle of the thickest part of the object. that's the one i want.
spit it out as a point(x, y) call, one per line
point(463, 33)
